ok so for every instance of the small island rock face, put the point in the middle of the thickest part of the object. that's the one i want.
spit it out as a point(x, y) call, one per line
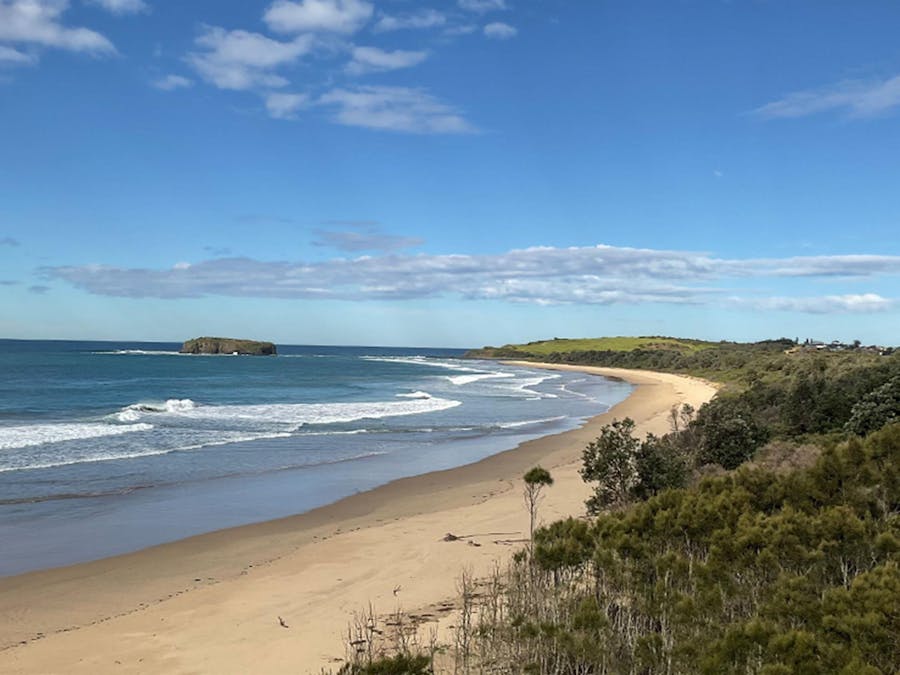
point(216, 345)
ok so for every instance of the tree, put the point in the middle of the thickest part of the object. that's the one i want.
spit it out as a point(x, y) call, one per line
point(536, 479)
point(876, 409)
point(660, 465)
point(727, 433)
point(609, 460)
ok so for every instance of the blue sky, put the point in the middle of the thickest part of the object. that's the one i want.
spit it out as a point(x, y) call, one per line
point(450, 173)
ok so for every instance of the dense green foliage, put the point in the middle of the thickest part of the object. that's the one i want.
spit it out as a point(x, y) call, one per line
point(661, 464)
point(609, 461)
point(726, 432)
point(749, 572)
point(877, 408)
point(538, 476)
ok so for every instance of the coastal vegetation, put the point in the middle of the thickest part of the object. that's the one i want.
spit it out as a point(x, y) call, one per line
point(761, 535)
point(728, 362)
point(536, 479)
point(754, 571)
point(602, 344)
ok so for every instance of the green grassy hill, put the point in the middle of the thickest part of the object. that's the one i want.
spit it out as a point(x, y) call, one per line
point(728, 362)
point(601, 344)
point(615, 344)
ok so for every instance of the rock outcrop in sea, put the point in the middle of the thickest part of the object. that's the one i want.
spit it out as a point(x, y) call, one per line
point(217, 345)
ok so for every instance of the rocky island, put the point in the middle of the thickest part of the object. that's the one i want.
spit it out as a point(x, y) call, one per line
point(217, 345)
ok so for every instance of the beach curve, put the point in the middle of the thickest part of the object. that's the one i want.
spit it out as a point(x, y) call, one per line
point(212, 603)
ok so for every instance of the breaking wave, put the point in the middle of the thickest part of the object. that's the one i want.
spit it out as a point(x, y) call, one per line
point(294, 415)
point(41, 434)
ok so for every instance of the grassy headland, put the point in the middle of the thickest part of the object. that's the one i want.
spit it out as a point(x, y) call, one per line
point(789, 389)
point(601, 344)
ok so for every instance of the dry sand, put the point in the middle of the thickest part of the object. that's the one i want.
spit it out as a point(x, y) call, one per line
point(211, 604)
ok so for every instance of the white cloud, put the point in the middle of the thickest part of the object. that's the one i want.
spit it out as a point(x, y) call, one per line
point(500, 31)
point(8, 56)
point(864, 303)
point(242, 60)
point(856, 98)
point(394, 109)
point(373, 59)
point(284, 106)
point(122, 6)
point(482, 6)
point(813, 266)
point(173, 82)
point(426, 18)
point(39, 22)
point(594, 275)
point(337, 16)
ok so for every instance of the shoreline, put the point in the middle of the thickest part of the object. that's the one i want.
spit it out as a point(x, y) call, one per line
point(210, 603)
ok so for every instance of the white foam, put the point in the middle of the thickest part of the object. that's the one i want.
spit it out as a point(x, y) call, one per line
point(566, 389)
point(40, 434)
point(294, 414)
point(415, 394)
point(526, 423)
point(135, 411)
point(525, 386)
point(475, 374)
point(237, 438)
point(140, 352)
point(460, 380)
point(352, 432)
point(105, 457)
point(91, 455)
point(179, 405)
point(423, 361)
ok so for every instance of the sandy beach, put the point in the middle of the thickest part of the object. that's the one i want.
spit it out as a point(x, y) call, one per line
point(211, 603)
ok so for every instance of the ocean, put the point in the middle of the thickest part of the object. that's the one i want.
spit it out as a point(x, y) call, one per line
point(108, 447)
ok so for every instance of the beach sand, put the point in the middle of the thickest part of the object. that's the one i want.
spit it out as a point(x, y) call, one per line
point(211, 603)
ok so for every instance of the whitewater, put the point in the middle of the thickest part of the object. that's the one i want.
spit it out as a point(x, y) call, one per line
point(108, 447)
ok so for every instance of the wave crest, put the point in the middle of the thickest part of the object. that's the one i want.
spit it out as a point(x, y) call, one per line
point(133, 413)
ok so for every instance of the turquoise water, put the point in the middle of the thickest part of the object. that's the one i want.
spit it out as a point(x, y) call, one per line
point(110, 447)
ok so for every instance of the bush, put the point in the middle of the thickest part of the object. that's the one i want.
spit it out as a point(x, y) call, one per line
point(727, 433)
point(609, 460)
point(876, 409)
point(660, 465)
point(400, 664)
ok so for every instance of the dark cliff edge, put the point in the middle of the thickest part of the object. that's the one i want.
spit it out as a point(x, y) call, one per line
point(217, 345)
